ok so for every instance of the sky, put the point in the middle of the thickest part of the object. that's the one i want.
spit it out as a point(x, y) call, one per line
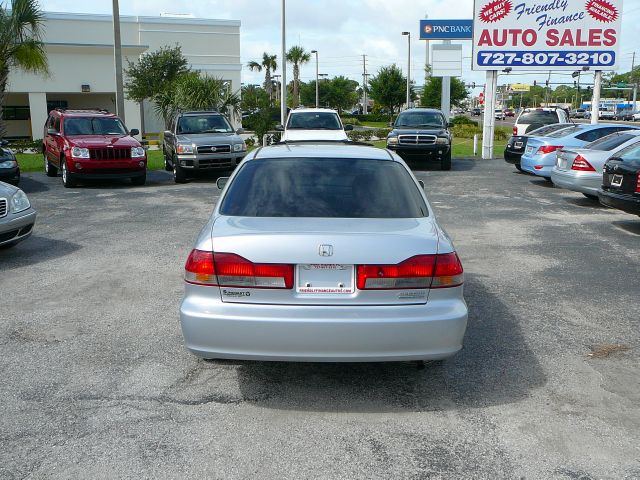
point(342, 31)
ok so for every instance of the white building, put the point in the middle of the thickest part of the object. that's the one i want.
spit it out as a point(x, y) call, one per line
point(81, 63)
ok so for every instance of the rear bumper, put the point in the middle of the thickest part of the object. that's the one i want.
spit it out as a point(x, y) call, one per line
point(17, 228)
point(303, 333)
point(544, 163)
point(625, 202)
point(511, 157)
point(583, 182)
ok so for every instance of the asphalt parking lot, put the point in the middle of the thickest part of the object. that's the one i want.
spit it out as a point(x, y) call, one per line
point(96, 383)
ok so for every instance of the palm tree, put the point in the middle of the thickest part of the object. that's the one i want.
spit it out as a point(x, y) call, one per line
point(269, 64)
point(21, 31)
point(297, 56)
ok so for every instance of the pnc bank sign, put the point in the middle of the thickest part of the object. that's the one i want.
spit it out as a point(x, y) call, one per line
point(446, 29)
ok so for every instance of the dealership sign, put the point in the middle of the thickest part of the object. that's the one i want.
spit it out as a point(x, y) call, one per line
point(546, 35)
point(446, 29)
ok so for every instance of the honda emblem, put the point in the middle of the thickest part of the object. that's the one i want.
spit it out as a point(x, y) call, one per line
point(325, 250)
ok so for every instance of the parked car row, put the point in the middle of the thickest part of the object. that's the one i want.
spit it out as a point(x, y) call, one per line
point(600, 161)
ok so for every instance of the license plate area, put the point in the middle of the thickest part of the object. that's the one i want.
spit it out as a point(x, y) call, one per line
point(616, 180)
point(325, 279)
point(518, 145)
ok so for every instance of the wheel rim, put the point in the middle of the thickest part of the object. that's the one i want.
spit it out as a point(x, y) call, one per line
point(64, 172)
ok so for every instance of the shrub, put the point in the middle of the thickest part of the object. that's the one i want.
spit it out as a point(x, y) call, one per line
point(21, 146)
point(466, 131)
point(350, 120)
point(462, 120)
point(382, 133)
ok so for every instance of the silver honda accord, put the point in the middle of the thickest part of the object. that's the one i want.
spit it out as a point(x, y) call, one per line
point(323, 252)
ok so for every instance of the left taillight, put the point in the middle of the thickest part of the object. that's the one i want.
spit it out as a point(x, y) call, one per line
point(231, 270)
point(421, 271)
point(638, 183)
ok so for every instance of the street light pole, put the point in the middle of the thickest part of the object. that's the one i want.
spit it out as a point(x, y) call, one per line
point(117, 56)
point(317, 88)
point(408, 34)
point(283, 90)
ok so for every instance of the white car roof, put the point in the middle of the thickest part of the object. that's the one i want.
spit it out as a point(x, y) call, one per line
point(307, 110)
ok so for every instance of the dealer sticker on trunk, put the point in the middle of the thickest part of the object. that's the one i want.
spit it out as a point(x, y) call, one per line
point(324, 278)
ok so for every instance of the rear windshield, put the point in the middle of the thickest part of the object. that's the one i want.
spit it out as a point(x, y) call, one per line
point(542, 131)
point(565, 131)
point(610, 142)
point(542, 117)
point(93, 126)
point(314, 121)
point(190, 124)
point(323, 187)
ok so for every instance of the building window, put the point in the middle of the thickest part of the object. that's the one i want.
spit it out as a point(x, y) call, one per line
point(16, 113)
point(53, 104)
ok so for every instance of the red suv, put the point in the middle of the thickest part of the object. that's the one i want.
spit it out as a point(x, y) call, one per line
point(91, 144)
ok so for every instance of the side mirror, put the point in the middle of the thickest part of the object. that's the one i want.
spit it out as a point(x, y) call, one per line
point(279, 128)
point(221, 182)
point(240, 131)
point(52, 131)
point(390, 124)
point(167, 133)
point(348, 127)
point(421, 183)
point(134, 132)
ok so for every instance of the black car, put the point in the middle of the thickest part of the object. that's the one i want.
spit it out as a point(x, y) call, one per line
point(516, 145)
point(476, 112)
point(621, 181)
point(9, 168)
point(421, 134)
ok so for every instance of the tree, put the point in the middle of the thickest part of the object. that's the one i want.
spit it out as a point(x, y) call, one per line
point(297, 56)
point(193, 91)
point(432, 92)
point(21, 46)
point(269, 63)
point(253, 98)
point(339, 93)
point(389, 88)
point(154, 73)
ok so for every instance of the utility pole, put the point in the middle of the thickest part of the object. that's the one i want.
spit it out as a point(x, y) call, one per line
point(426, 58)
point(283, 90)
point(117, 56)
point(634, 79)
point(595, 101)
point(317, 87)
point(408, 34)
point(365, 105)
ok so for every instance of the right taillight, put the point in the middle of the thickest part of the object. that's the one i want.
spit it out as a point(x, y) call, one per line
point(580, 163)
point(421, 271)
point(231, 270)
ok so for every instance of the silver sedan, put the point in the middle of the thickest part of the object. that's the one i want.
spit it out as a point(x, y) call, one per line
point(323, 253)
point(17, 217)
point(580, 169)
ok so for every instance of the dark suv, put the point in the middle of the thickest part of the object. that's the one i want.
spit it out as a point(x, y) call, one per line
point(199, 141)
point(421, 133)
point(91, 144)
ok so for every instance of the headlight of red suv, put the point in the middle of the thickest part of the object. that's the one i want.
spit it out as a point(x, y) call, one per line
point(77, 152)
point(137, 152)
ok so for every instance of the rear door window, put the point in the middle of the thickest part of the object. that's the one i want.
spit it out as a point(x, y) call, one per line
point(323, 187)
point(596, 133)
point(543, 117)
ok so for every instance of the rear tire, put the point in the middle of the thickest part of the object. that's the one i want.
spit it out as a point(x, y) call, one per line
point(49, 169)
point(67, 178)
point(167, 167)
point(518, 167)
point(139, 181)
point(445, 161)
point(179, 175)
point(591, 197)
point(548, 179)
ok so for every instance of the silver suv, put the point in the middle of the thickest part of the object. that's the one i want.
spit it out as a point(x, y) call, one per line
point(200, 141)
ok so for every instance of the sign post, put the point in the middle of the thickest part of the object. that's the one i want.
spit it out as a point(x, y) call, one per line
point(555, 35)
point(489, 123)
point(595, 101)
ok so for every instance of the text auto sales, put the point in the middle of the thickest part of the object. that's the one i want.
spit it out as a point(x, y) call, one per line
point(593, 37)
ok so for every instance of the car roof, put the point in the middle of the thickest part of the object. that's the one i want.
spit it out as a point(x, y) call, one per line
point(200, 112)
point(323, 150)
point(306, 110)
point(85, 113)
point(433, 110)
